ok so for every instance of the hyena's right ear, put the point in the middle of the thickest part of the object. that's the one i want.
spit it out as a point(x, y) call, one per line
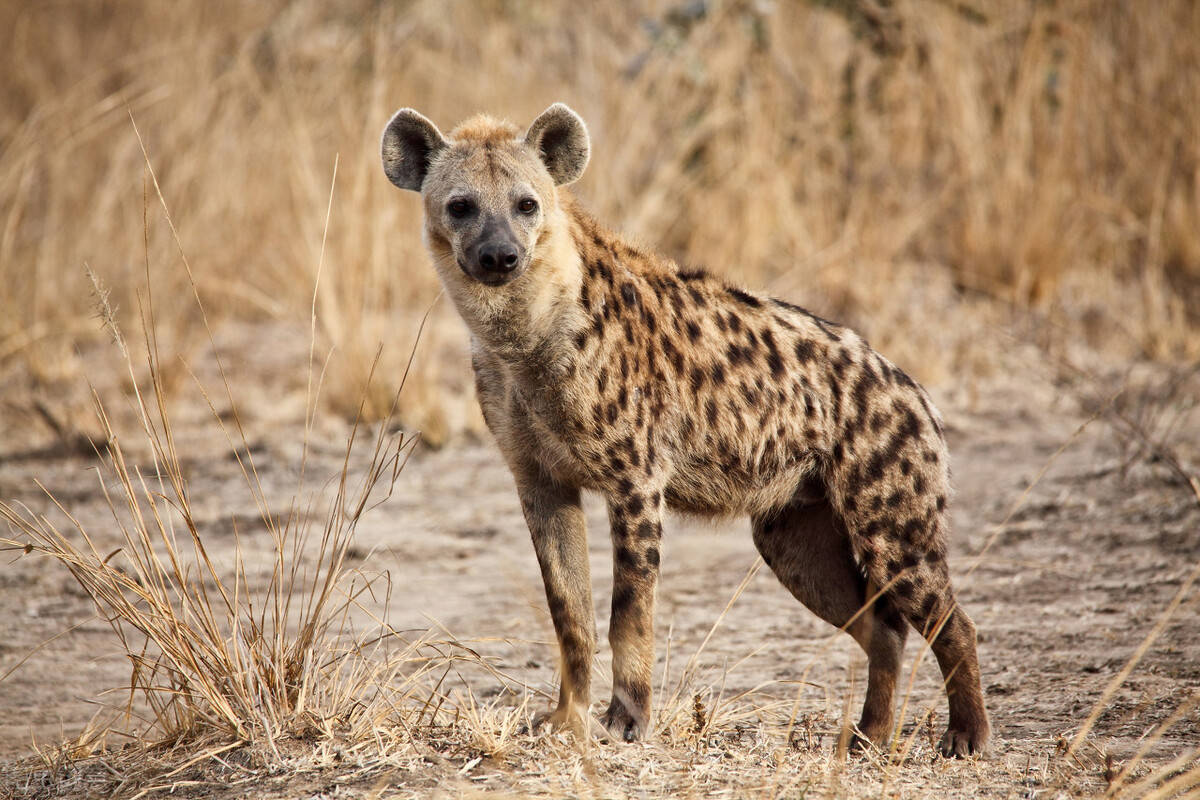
point(409, 144)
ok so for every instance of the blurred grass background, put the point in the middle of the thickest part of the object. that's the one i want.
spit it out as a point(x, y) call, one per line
point(946, 176)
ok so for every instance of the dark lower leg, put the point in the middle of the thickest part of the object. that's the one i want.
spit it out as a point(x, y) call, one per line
point(954, 648)
point(884, 647)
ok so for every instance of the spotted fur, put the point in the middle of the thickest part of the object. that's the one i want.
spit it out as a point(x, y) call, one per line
point(600, 365)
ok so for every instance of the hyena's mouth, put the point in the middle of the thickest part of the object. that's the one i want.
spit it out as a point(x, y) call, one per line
point(491, 278)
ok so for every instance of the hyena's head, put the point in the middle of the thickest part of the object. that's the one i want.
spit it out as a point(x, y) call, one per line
point(489, 191)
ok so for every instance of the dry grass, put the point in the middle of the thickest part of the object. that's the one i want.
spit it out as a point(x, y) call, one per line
point(884, 162)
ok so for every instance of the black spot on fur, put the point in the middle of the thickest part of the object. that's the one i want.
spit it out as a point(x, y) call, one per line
point(749, 393)
point(692, 274)
point(773, 359)
point(673, 354)
point(627, 559)
point(635, 504)
point(895, 499)
point(735, 322)
point(625, 486)
point(648, 531)
point(806, 351)
point(581, 339)
point(629, 295)
point(693, 330)
point(863, 389)
point(612, 413)
point(838, 454)
point(919, 485)
point(698, 296)
point(623, 597)
point(911, 530)
point(697, 379)
point(905, 466)
point(744, 297)
point(941, 502)
point(718, 374)
point(712, 412)
point(602, 380)
point(652, 556)
point(840, 363)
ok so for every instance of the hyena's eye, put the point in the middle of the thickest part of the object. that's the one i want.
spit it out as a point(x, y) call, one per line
point(459, 207)
point(527, 206)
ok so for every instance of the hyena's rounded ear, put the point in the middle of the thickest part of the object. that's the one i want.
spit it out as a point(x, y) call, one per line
point(561, 139)
point(409, 144)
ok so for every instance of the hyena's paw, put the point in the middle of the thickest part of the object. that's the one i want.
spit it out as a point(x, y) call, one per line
point(563, 718)
point(869, 739)
point(576, 721)
point(965, 741)
point(623, 724)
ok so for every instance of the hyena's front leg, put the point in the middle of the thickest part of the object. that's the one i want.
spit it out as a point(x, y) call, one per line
point(559, 533)
point(636, 519)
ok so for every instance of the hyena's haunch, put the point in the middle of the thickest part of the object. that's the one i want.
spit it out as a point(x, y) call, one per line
point(601, 365)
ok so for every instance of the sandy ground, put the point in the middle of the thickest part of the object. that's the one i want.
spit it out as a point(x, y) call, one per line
point(1063, 593)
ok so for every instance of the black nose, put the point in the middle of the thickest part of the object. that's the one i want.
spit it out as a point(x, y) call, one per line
point(498, 257)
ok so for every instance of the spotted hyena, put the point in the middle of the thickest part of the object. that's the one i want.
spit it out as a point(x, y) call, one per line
point(601, 365)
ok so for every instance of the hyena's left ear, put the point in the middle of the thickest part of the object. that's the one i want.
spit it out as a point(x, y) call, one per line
point(409, 144)
point(561, 139)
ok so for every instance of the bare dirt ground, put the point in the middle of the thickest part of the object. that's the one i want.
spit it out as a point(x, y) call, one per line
point(1063, 593)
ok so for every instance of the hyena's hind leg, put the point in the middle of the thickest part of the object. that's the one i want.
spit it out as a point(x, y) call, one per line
point(808, 549)
point(897, 525)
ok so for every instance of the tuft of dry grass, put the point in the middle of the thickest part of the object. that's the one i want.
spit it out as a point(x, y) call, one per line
point(886, 163)
point(207, 654)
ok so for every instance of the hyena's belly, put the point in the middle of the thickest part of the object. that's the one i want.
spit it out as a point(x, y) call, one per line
point(716, 487)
